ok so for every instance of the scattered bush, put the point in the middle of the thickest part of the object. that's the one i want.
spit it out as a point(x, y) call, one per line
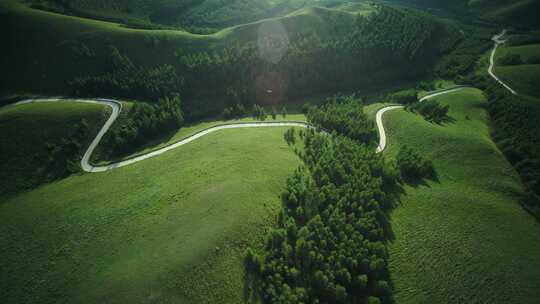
point(126, 80)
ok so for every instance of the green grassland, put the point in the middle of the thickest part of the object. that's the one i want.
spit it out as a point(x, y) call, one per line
point(169, 229)
point(197, 13)
point(26, 131)
point(189, 130)
point(463, 238)
point(524, 78)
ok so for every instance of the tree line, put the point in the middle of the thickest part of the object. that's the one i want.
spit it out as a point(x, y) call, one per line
point(330, 242)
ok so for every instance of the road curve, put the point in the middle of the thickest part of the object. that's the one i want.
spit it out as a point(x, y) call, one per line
point(380, 126)
point(380, 113)
point(116, 107)
point(497, 41)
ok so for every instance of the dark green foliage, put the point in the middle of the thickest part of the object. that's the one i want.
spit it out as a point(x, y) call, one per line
point(284, 112)
point(413, 166)
point(125, 80)
point(64, 158)
point(358, 53)
point(236, 111)
point(258, 112)
point(431, 110)
point(404, 97)
point(517, 133)
point(329, 246)
point(345, 116)
point(510, 59)
point(290, 137)
point(143, 123)
point(461, 61)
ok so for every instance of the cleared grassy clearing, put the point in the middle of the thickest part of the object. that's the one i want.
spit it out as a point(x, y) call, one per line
point(169, 229)
point(465, 238)
point(27, 129)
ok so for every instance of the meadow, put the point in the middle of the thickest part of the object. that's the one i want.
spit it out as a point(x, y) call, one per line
point(28, 130)
point(169, 229)
point(524, 77)
point(463, 237)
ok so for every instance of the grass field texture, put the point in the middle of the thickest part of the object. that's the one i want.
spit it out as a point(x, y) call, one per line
point(26, 130)
point(463, 238)
point(524, 78)
point(169, 229)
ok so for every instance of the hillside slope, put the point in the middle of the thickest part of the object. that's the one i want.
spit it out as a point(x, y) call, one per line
point(319, 49)
point(463, 238)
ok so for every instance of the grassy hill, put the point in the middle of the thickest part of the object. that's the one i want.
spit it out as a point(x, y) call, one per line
point(463, 238)
point(196, 15)
point(30, 131)
point(169, 229)
point(524, 76)
point(386, 45)
point(510, 12)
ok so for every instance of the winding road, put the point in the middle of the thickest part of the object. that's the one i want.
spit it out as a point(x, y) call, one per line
point(497, 40)
point(116, 107)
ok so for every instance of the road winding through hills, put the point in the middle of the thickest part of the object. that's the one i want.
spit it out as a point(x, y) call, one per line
point(116, 107)
point(497, 40)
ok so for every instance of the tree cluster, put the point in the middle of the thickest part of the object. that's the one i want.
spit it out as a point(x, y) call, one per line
point(413, 166)
point(126, 80)
point(431, 110)
point(235, 112)
point(357, 52)
point(344, 115)
point(404, 97)
point(517, 133)
point(290, 137)
point(329, 246)
point(258, 112)
point(142, 122)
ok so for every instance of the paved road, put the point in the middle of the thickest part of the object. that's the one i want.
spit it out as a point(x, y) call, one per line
point(116, 107)
point(497, 40)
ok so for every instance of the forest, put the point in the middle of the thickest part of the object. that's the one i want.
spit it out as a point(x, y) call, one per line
point(517, 133)
point(343, 115)
point(143, 121)
point(329, 246)
point(330, 242)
